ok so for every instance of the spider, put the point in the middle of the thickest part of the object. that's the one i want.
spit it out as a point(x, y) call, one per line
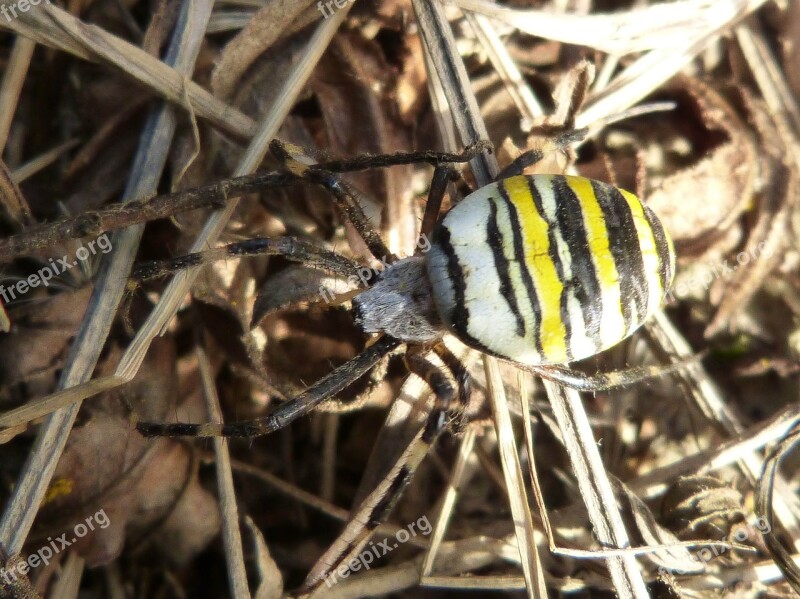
point(537, 270)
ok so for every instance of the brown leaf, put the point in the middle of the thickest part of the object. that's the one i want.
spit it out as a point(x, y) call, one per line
point(38, 344)
point(131, 484)
point(699, 204)
point(276, 20)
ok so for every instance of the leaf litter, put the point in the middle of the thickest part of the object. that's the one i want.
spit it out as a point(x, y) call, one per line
point(720, 168)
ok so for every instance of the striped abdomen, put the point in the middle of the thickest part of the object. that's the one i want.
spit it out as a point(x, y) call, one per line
point(546, 269)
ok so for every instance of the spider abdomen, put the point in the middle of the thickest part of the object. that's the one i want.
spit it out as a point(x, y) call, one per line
point(546, 269)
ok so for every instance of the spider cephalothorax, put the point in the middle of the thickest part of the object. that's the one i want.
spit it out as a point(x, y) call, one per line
point(400, 303)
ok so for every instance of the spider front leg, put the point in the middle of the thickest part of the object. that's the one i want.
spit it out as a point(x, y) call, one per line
point(325, 388)
point(346, 196)
point(557, 143)
point(442, 175)
point(291, 248)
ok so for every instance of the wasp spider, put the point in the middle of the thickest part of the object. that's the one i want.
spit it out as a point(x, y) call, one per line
point(537, 270)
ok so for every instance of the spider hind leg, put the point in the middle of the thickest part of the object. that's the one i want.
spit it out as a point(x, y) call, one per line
point(603, 381)
point(325, 388)
point(377, 506)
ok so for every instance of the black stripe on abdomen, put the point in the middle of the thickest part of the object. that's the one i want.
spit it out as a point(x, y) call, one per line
point(522, 263)
point(623, 241)
point(501, 264)
point(662, 247)
point(556, 258)
point(586, 284)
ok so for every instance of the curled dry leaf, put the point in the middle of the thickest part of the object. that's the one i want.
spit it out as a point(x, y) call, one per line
point(297, 284)
point(702, 507)
point(699, 204)
point(761, 252)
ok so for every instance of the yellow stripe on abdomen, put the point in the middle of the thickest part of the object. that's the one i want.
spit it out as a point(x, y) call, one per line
point(549, 287)
point(612, 324)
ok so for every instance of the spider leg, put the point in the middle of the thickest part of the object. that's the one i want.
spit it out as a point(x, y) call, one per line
point(347, 203)
point(346, 197)
point(214, 195)
point(460, 373)
point(531, 157)
point(368, 161)
point(442, 175)
point(375, 377)
point(349, 207)
point(286, 413)
point(290, 248)
point(377, 505)
point(603, 381)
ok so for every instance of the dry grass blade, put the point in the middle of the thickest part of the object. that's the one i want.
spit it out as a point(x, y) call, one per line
point(620, 33)
point(764, 492)
point(56, 28)
point(271, 580)
point(596, 490)
point(440, 45)
point(11, 87)
point(57, 401)
point(515, 482)
point(153, 151)
point(536, 487)
point(655, 482)
point(41, 162)
point(646, 73)
point(314, 502)
point(454, 485)
point(12, 200)
point(456, 557)
point(231, 534)
point(526, 103)
point(68, 584)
